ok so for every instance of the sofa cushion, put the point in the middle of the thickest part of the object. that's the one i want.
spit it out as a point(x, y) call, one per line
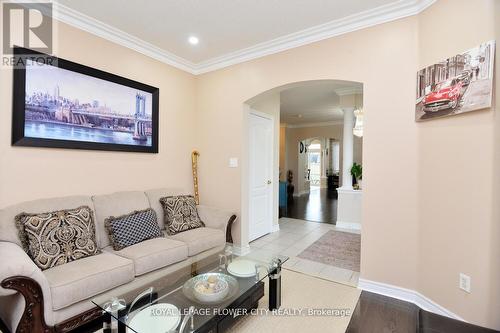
point(115, 204)
point(154, 197)
point(58, 237)
point(87, 277)
point(180, 214)
point(8, 230)
point(200, 239)
point(154, 254)
point(132, 228)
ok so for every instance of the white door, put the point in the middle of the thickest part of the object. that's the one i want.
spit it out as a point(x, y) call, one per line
point(261, 175)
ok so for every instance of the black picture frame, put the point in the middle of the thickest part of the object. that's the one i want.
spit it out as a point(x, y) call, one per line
point(19, 104)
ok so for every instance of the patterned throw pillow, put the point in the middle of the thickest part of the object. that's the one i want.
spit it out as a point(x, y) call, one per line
point(180, 214)
point(132, 228)
point(58, 237)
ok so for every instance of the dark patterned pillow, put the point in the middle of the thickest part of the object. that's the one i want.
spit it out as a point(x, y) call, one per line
point(180, 214)
point(132, 228)
point(59, 237)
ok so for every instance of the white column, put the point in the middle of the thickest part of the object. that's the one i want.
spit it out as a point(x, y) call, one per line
point(347, 148)
point(349, 201)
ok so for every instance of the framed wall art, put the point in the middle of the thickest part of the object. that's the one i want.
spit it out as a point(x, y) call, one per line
point(456, 85)
point(62, 104)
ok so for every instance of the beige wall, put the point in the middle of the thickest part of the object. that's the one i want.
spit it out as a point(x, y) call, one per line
point(389, 241)
point(29, 173)
point(456, 167)
point(427, 208)
point(494, 243)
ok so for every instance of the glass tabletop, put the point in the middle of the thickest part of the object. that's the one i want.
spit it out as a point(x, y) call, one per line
point(191, 296)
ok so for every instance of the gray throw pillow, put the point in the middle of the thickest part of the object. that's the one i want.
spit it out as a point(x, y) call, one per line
point(180, 214)
point(132, 228)
point(59, 237)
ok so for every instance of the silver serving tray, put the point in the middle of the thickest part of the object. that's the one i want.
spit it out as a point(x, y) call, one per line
point(188, 288)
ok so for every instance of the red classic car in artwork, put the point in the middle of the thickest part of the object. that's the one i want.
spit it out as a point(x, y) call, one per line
point(445, 95)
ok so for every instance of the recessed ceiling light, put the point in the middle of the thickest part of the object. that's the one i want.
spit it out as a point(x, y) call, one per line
point(193, 40)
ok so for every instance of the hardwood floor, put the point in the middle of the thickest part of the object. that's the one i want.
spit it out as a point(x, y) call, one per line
point(376, 314)
point(379, 314)
point(320, 205)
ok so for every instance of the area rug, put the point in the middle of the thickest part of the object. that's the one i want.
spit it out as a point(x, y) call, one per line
point(306, 293)
point(335, 248)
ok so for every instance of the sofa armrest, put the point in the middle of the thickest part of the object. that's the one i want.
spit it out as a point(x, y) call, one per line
point(217, 219)
point(18, 273)
point(15, 262)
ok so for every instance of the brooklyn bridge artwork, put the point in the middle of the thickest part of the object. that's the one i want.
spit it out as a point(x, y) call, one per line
point(87, 111)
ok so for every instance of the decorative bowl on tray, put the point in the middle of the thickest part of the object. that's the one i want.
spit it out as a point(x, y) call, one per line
point(210, 288)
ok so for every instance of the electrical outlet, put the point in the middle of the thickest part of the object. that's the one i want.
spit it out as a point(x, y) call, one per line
point(464, 282)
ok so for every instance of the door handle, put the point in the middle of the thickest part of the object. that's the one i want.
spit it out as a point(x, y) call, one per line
point(269, 182)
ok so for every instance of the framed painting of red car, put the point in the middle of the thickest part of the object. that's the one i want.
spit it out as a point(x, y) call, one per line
point(459, 84)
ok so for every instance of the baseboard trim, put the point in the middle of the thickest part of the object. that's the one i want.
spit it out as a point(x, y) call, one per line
point(241, 250)
point(348, 225)
point(408, 295)
point(276, 227)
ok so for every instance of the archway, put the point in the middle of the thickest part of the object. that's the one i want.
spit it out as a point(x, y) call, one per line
point(348, 96)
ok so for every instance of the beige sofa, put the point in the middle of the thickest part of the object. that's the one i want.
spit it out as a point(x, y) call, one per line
point(58, 299)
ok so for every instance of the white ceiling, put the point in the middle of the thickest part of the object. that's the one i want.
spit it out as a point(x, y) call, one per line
point(230, 31)
point(316, 102)
point(222, 26)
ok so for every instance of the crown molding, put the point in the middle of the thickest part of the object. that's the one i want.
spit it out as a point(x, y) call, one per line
point(103, 30)
point(318, 124)
point(383, 14)
point(390, 12)
point(89, 24)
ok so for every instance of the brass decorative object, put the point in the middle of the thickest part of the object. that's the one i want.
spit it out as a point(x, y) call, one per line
point(194, 163)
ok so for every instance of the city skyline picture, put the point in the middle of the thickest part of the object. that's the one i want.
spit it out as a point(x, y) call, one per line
point(74, 106)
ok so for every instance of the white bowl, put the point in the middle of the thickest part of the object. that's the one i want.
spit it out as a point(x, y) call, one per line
point(222, 289)
point(231, 289)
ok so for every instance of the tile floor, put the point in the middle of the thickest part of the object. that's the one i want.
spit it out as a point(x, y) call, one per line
point(294, 237)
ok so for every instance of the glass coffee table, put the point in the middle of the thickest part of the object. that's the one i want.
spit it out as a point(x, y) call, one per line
point(206, 296)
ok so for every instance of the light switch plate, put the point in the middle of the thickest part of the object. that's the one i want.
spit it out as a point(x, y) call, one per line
point(233, 162)
point(464, 282)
